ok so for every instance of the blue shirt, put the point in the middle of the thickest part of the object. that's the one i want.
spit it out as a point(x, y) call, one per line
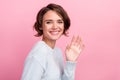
point(45, 63)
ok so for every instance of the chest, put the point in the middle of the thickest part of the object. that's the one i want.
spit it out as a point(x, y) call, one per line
point(54, 68)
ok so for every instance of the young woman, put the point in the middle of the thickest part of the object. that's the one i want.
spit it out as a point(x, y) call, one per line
point(45, 61)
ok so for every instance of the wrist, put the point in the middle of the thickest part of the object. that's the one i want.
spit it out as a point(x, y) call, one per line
point(71, 60)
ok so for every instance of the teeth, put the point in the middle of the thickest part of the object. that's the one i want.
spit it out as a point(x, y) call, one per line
point(54, 32)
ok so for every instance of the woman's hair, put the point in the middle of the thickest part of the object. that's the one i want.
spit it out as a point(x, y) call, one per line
point(59, 10)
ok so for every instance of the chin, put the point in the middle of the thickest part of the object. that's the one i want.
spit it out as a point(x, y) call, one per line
point(55, 37)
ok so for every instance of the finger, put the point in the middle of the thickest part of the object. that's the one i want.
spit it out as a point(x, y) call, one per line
point(73, 40)
point(68, 46)
point(78, 41)
point(82, 47)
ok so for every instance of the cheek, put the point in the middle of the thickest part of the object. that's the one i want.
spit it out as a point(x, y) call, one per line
point(62, 27)
point(46, 27)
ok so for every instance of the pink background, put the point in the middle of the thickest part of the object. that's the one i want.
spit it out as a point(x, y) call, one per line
point(96, 21)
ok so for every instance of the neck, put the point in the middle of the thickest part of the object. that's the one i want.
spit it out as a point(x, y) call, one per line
point(50, 43)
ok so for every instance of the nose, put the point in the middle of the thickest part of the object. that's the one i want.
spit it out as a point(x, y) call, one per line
point(55, 25)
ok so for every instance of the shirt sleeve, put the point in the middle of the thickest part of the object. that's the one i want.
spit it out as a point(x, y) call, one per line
point(69, 71)
point(33, 70)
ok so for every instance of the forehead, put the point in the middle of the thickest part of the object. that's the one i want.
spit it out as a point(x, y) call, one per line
point(52, 15)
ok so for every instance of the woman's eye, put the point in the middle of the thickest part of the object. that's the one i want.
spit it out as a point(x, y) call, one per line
point(48, 22)
point(60, 22)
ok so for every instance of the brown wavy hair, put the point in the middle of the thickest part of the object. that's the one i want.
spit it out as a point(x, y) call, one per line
point(60, 11)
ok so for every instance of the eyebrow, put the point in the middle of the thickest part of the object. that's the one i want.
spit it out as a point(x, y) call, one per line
point(48, 20)
point(52, 20)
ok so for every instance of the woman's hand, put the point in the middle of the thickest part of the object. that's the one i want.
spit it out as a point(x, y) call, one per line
point(74, 49)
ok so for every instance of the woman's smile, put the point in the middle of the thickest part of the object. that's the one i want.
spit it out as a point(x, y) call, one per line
point(54, 32)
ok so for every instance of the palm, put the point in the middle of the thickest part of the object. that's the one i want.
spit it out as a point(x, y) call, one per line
point(74, 49)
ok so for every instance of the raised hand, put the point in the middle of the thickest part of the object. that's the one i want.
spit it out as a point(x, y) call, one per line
point(74, 49)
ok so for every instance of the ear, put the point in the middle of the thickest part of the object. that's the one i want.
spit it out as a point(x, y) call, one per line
point(67, 33)
point(41, 28)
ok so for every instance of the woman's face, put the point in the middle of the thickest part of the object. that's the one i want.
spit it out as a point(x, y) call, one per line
point(53, 26)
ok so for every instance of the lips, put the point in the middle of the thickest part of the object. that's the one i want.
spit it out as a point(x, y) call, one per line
point(55, 32)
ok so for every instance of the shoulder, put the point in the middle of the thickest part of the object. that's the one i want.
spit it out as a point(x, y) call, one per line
point(39, 51)
point(39, 46)
point(38, 54)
